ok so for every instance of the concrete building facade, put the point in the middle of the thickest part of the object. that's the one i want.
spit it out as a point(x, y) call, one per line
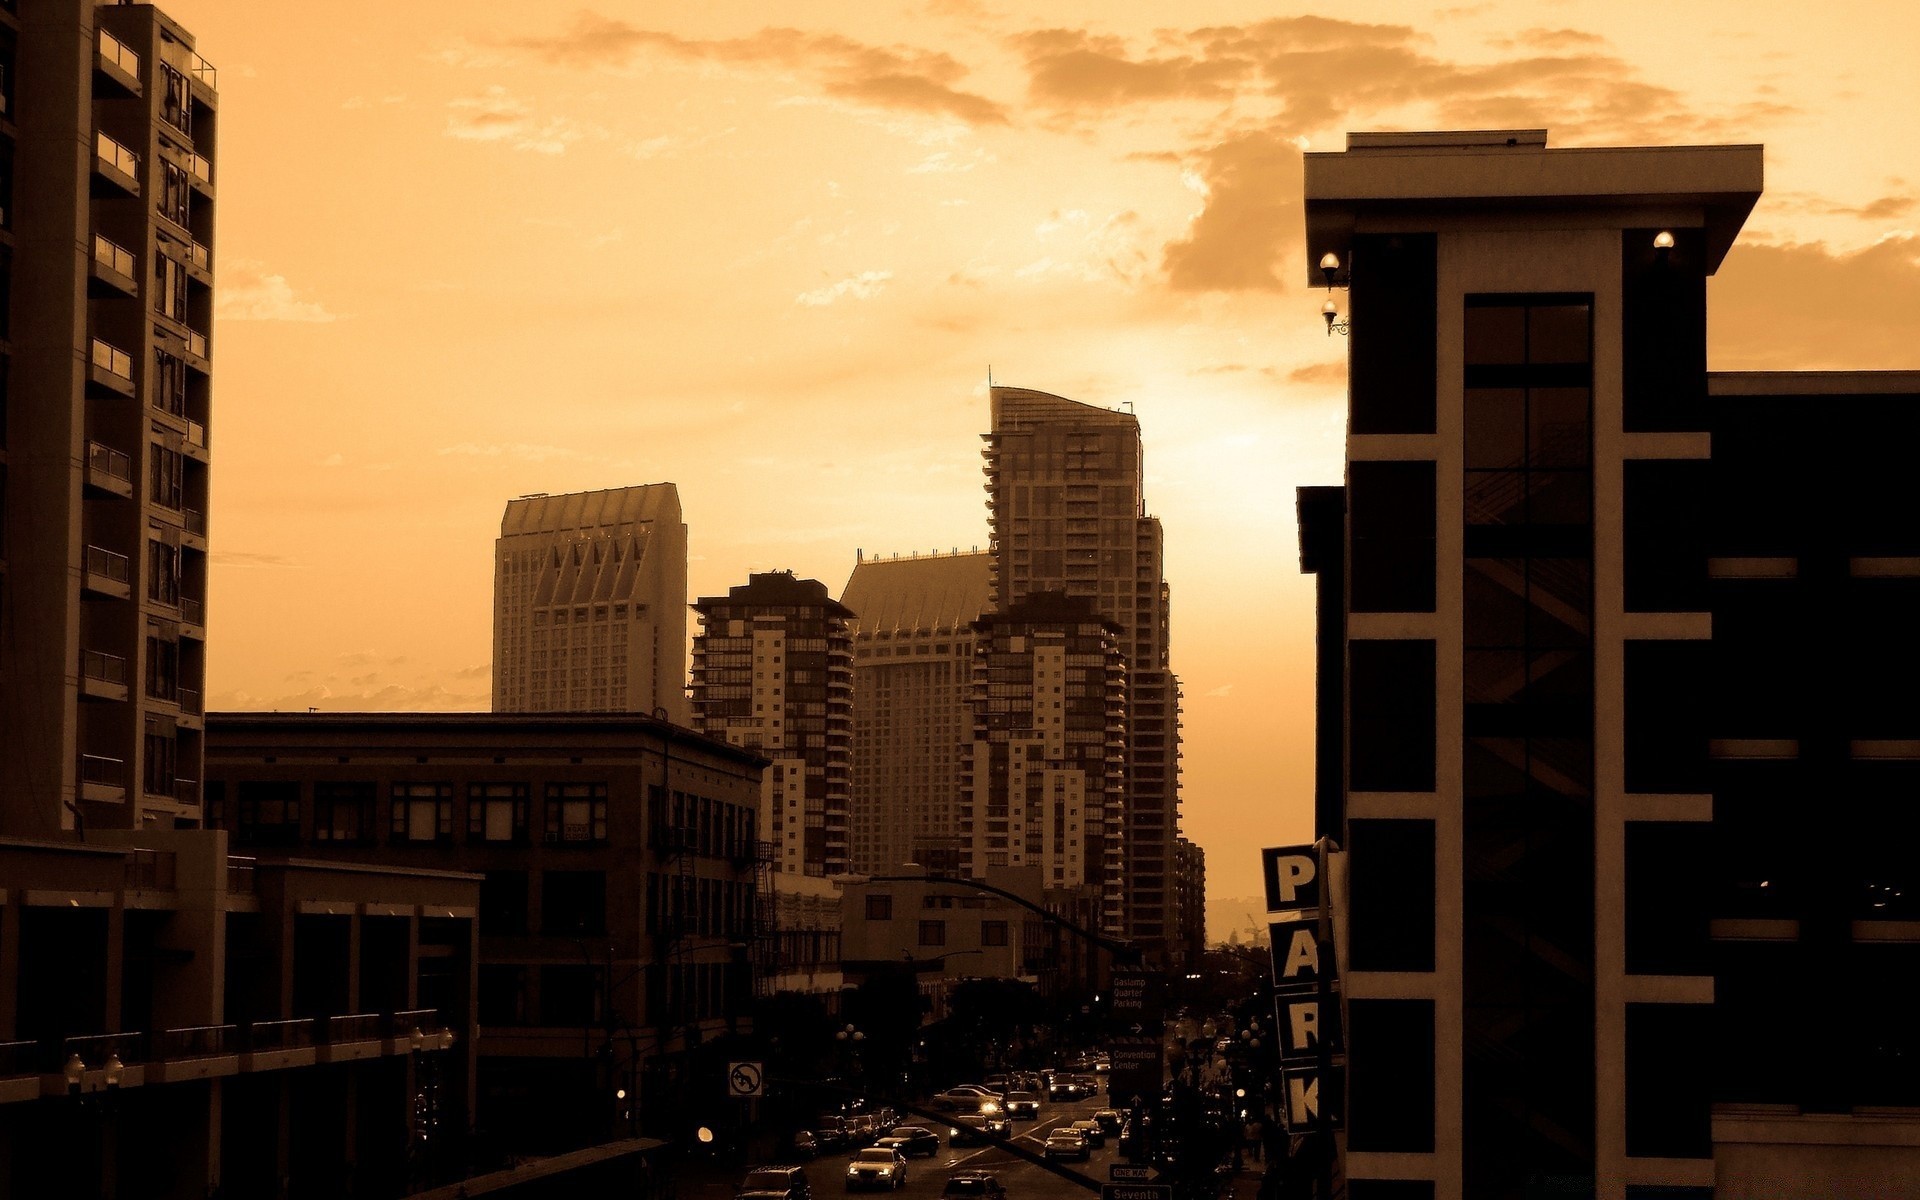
point(107, 129)
point(1190, 902)
point(773, 673)
point(913, 657)
point(1579, 603)
point(1067, 512)
point(589, 603)
point(618, 858)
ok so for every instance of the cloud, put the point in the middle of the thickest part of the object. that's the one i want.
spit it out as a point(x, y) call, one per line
point(248, 291)
point(864, 286)
point(1225, 689)
point(523, 451)
point(1319, 373)
point(496, 115)
point(1882, 208)
point(1072, 67)
point(247, 558)
point(896, 77)
point(1808, 306)
point(363, 694)
point(1252, 182)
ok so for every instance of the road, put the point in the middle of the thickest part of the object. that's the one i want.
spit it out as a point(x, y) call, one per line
point(1022, 1179)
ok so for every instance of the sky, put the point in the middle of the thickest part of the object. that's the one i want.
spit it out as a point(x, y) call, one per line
point(471, 249)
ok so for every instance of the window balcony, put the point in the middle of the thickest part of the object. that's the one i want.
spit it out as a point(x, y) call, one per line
point(116, 167)
point(196, 529)
point(110, 370)
point(202, 72)
point(103, 676)
point(109, 470)
point(151, 871)
point(192, 709)
point(240, 875)
point(197, 1052)
point(103, 778)
point(193, 616)
point(197, 343)
point(114, 269)
point(108, 573)
point(200, 170)
point(118, 63)
point(195, 444)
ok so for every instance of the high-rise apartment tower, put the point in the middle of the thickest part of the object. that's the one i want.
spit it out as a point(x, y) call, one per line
point(913, 642)
point(773, 672)
point(1067, 514)
point(589, 603)
point(107, 121)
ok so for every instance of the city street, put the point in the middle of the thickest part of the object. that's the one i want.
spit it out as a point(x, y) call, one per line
point(926, 1176)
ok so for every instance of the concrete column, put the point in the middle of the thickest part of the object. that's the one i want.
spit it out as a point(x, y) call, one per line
point(9, 968)
point(353, 962)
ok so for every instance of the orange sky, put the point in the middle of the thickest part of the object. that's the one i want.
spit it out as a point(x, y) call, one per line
point(471, 248)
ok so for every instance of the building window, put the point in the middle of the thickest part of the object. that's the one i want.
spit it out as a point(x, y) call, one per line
point(577, 813)
point(993, 933)
point(933, 933)
point(503, 903)
point(267, 812)
point(170, 384)
point(497, 812)
point(163, 573)
point(571, 995)
point(170, 279)
point(503, 995)
point(161, 755)
point(422, 812)
point(573, 902)
point(879, 908)
point(343, 813)
point(163, 668)
point(168, 477)
point(174, 191)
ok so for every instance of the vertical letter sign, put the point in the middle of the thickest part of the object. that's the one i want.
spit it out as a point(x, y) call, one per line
point(1306, 1000)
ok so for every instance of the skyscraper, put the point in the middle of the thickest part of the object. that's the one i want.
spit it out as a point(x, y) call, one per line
point(589, 603)
point(107, 120)
point(773, 672)
point(1067, 513)
point(913, 643)
point(1044, 776)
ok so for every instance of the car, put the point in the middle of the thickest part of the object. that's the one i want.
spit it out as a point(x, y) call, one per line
point(1065, 1087)
point(910, 1140)
point(1103, 1066)
point(806, 1144)
point(995, 1083)
point(1022, 1106)
point(1067, 1143)
point(973, 1185)
point(775, 1183)
point(1109, 1119)
point(972, 1129)
point(1091, 1130)
point(876, 1166)
point(830, 1133)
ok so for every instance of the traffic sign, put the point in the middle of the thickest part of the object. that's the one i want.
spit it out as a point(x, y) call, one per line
point(1129, 1172)
point(1135, 1191)
point(746, 1079)
point(1137, 1067)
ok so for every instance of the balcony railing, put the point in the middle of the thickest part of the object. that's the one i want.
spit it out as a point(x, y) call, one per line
point(203, 70)
point(278, 1035)
point(405, 1023)
point(201, 167)
point(20, 1058)
point(116, 464)
point(360, 1027)
point(196, 343)
point(190, 701)
point(116, 155)
point(113, 256)
point(119, 54)
point(104, 770)
point(196, 434)
point(107, 668)
point(196, 522)
point(151, 870)
point(200, 1041)
point(107, 564)
point(239, 875)
point(96, 1049)
point(192, 611)
point(112, 360)
point(200, 256)
point(187, 792)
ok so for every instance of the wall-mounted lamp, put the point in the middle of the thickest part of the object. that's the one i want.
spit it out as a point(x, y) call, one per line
point(114, 1068)
point(1662, 246)
point(76, 1072)
point(1330, 267)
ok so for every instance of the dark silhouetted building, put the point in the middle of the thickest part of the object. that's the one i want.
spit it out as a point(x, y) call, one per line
point(1614, 706)
point(1190, 901)
point(913, 643)
point(589, 603)
point(106, 304)
point(618, 858)
point(1067, 514)
point(773, 673)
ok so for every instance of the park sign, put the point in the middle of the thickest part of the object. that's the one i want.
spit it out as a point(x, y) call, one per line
point(1308, 1030)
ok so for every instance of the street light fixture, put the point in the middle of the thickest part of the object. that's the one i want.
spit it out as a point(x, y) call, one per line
point(76, 1072)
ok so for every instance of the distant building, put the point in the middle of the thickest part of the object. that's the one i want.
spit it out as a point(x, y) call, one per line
point(799, 938)
point(773, 672)
point(943, 933)
point(1615, 700)
point(107, 119)
point(178, 1022)
point(1190, 901)
point(1068, 514)
point(619, 859)
point(589, 603)
point(913, 644)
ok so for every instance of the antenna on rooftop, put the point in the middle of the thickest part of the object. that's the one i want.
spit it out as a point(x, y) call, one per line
point(989, 374)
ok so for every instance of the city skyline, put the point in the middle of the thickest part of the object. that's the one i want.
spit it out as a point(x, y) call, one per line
point(1126, 234)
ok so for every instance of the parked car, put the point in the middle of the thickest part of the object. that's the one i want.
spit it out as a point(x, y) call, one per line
point(971, 1129)
point(973, 1185)
point(775, 1183)
point(1067, 1143)
point(910, 1140)
point(830, 1133)
point(1109, 1119)
point(1022, 1106)
point(806, 1144)
point(1091, 1130)
point(876, 1167)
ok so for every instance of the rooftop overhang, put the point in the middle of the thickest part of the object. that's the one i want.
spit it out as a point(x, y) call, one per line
point(1410, 183)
